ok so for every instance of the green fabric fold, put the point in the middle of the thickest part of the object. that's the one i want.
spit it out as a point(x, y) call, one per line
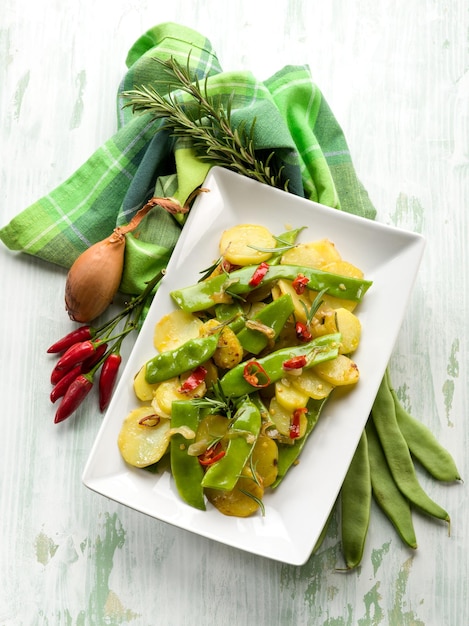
point(141, 160)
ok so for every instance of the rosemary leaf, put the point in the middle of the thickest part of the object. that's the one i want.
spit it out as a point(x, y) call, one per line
point(190, 112)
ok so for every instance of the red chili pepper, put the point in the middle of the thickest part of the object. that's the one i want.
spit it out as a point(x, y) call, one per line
point(299, 284)
point(107, 379)
point(77, 353)
point(295, 363)
point(302, 332)
point(295, 422)
point(64, 383)
point(93, 360)
point(80, 334)
point(194, 380)
point(256, 375)
point(259, 273)
point(58, 374)
point(211, 455)
point(73, 397)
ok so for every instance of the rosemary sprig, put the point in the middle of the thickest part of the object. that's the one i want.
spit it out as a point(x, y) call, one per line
point(314, 307)
point(209, 270)
point(206, 122)
point(216, 401)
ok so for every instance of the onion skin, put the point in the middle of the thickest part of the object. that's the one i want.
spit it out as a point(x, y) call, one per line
point(94, 278)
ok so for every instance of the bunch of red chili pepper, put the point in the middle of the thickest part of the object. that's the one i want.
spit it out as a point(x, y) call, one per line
point(86, 351)
point(82, 355)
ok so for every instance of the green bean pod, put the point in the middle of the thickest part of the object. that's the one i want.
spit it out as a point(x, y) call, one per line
point(171, 363)
point(289, 453)
point(185, 469)
point(321, 349)
point(284, 241)
point(274, 315)
point(398, 455)
point(243, 431)
point(203, 295)
point(232, 314)
point(424, 446)
point(356, 505)
point(385, 491)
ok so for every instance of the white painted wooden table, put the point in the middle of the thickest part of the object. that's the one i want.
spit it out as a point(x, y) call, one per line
point(396, 75)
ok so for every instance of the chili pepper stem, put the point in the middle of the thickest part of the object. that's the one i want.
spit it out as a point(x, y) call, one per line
point(134, 302)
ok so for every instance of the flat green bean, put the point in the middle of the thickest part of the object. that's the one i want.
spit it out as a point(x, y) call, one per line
point(245, 427)
point(288, 238)
point(203, 295)
point(289, 453)
point(398, 455)
point(274, 315)
point(424, 446)
point(385, 491)
point(356, 505)
point(188, 356)
point(235, 384)
point(186, 470)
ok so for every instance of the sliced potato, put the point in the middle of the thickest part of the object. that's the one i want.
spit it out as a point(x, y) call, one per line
point(285, 287)
point(282, 417)
point(142, 389)
point(265, 459)
point(142, 444)
point(324, 322)
point(335, 303)
point(212, 427)
point(229, 350)
point(313, 254)
point(350, 328)
point(236, 244)
point(312, 385)
point(168, 392)
point(339, 371)
point(235, 502)
point(174, 329)
point(344, 268)
point(212, 373)
point(210, 327)
point(289, 396)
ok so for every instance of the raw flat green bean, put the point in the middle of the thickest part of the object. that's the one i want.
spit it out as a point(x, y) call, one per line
point(203, 295)
point(424, 446)
point(398, 455)
point(356, 505)
point(385, 491)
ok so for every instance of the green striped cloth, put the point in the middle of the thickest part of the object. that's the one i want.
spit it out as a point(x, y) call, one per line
point(141, 161)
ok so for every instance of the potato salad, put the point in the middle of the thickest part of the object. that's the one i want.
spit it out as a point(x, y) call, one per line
point(243, 366)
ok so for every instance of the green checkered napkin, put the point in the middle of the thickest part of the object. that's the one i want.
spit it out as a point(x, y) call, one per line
point(141, 161)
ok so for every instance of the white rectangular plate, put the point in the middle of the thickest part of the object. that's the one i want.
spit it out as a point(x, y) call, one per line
point(296, 512)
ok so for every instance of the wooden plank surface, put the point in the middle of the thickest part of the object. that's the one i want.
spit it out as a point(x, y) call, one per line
point(396, 75)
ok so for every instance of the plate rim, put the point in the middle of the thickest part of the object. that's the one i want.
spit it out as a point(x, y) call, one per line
point(216, 178)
